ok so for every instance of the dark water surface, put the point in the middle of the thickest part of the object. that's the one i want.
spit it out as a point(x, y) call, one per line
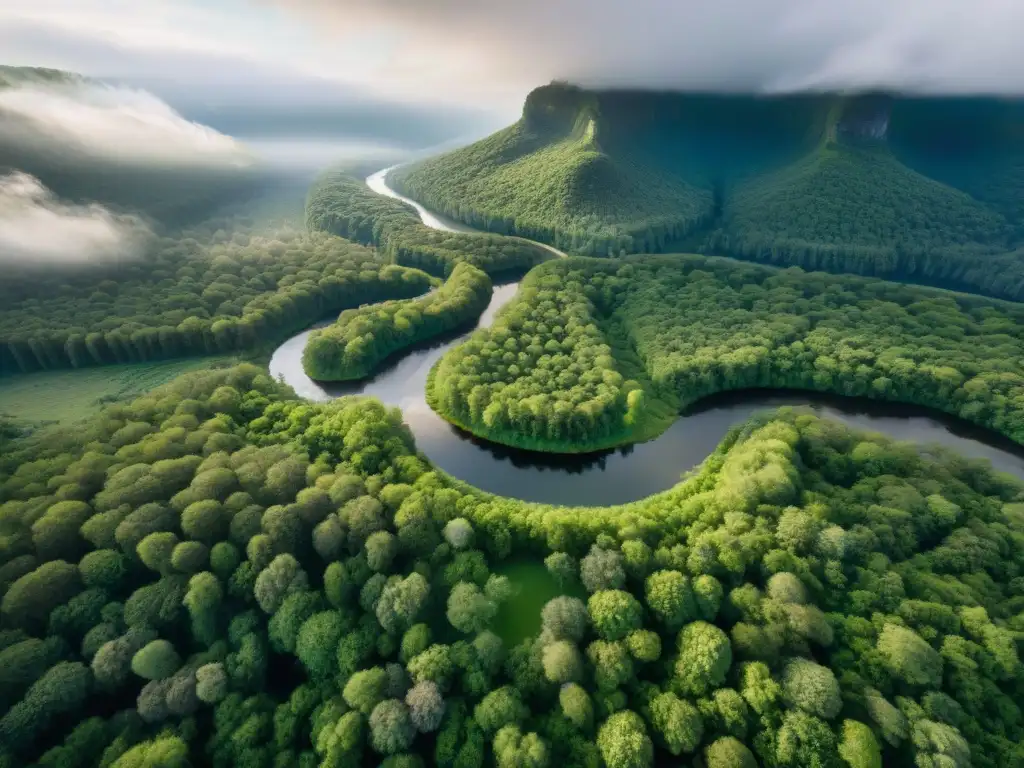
point(625, 474)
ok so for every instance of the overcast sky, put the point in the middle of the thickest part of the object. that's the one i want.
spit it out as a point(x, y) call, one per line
point(491, 52)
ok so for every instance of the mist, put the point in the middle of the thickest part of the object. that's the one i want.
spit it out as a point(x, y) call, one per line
point(934, 46)
point(95, 121)
point(37, 229)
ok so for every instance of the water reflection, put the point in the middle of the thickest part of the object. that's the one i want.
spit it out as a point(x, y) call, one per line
point(632, 472)
point(621, 475)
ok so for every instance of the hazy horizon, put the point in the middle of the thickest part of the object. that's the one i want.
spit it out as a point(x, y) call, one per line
point(219, 86)
point(484, 56)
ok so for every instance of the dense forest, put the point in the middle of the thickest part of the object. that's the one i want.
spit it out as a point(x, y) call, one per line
point(560, 189)
point(555, 371)
point(218, 574)
point(857, 209)
point(193, 294)
point(924, 190)
point(362, 338)
point(344, 205)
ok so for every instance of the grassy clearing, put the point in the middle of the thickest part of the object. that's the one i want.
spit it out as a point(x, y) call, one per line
point(66, 396)
point(519, 617)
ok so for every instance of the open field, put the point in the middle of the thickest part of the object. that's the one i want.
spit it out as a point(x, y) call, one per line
point(67, 396)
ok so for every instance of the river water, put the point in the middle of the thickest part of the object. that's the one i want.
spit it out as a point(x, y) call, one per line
point(621, 475)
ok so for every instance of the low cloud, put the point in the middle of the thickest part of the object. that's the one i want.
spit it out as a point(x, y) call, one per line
point(737, 45)
point(86, 120)
point(37, 229)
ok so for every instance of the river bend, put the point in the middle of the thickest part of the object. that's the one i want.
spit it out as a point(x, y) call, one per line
point(621, 475)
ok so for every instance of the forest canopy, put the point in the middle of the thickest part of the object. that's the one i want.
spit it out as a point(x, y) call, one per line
point(219, 574)
point(362, 338)
point(228, 284)
point(594, 352)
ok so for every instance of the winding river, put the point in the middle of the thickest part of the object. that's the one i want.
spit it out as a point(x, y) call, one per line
point(625, 474)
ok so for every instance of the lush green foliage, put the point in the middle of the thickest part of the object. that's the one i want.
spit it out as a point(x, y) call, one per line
point(557, 368)
point(926, 190)
point(810, 595)
point(558, 187)
point(858, 209)
point(362, 338)
point(343, 205)
point(201, 292)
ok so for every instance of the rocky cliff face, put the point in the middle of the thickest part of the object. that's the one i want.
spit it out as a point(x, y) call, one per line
point(865, 118)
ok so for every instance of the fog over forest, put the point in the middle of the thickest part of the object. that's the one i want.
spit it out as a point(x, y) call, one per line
point(107, 148)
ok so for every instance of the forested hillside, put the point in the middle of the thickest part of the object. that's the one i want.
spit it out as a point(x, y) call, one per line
point(857, 209)
point(559, 187)
point(593, 353)
point(363, 338)
point(344, 205)
point(219, 575)
point(927, 190)
point(197, 293)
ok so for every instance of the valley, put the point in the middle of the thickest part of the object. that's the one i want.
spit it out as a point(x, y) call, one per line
point(608, 476)
point(655, 429)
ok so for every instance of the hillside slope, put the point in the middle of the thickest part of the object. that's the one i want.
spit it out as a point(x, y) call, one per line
point(551, 180)
point(928, 190)
point(856, 209)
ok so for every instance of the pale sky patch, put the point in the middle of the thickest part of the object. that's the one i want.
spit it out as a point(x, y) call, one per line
point(492, 52)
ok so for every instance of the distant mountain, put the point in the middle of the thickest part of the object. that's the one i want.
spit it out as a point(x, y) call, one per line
point(925, 189)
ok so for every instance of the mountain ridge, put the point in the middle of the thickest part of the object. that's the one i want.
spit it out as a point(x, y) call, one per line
point(615, 171)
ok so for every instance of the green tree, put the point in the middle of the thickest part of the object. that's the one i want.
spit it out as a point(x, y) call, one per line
point(459, 533)
point(908, 657)
point(502, 706)
point(164, 752)
point(670, 598)
point(615, 613)
point(29, 600)
point(391, 727)
point(576, 705)
point(677, 722)
point(469, 610)
point(211, 682)
point(705, 657)
point(281, 578)
point(514, 749)
point(859, 748)
point(401, 602)
point(624, 742)
point(426, 706)
point(602, 569)
point(811, 687)
point(564, 618)
point(317, 643)
point(563, 662)
point(156, 660)
point(729, 752)
point(366, 689)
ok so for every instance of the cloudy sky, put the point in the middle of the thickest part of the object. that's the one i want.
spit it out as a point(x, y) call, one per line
point(491, 52)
